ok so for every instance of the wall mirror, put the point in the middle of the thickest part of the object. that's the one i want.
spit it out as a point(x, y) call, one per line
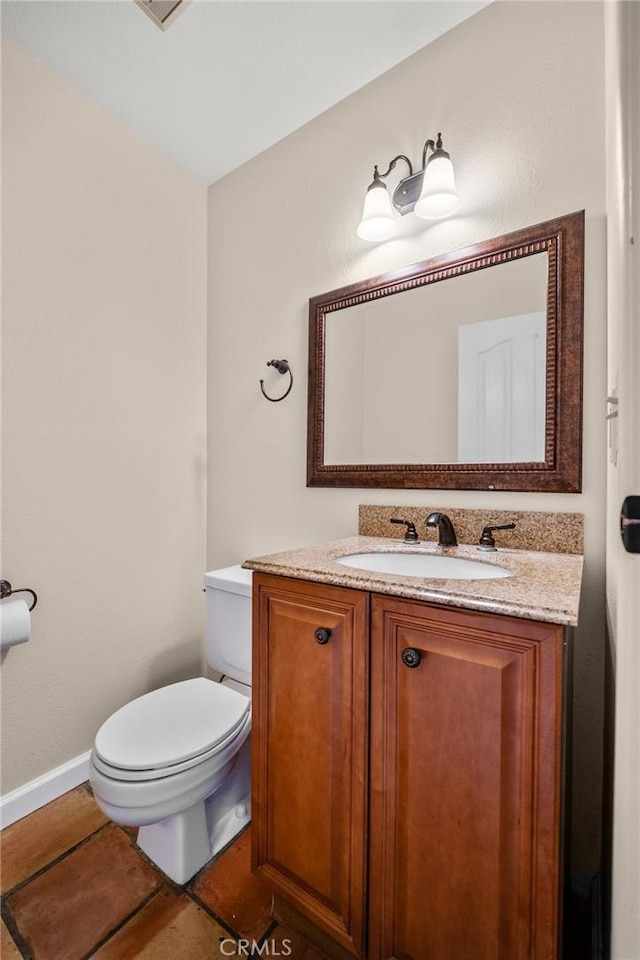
point(460, 372)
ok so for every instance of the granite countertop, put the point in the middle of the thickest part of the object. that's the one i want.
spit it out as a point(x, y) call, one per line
point(545, 586)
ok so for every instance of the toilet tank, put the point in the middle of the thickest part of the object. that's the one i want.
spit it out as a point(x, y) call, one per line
point(228, 629)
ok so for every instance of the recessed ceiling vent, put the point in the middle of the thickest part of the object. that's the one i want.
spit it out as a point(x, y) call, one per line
point(162, 12)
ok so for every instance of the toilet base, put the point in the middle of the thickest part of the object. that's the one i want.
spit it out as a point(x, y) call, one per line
point(182, 844)
point(230, 825)
point(179, 845)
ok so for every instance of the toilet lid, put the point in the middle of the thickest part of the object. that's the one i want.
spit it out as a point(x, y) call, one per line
point(170, 725)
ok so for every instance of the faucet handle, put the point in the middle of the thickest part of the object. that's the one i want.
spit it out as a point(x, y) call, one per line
point(487, 541)
point(411, 534)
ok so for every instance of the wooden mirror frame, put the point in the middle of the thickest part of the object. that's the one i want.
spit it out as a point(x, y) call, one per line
point(563, 240)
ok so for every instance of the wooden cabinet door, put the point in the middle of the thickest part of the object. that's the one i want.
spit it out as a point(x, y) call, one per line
point(310, 750)
point(465, 781)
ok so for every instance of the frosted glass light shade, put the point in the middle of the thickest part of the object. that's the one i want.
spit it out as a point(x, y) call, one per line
point(439, 197)
point(377, 222)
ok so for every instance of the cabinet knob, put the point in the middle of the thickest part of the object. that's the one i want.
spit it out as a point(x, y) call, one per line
point(322, 635)
point(411, 657)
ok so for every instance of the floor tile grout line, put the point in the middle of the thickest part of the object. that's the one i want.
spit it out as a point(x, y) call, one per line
point(273, 926)
point(141, 906)
point(54, 862)
point(14, 931)
point(214, 916)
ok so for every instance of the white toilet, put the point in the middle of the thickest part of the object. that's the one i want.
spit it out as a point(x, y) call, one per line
point(176, 761)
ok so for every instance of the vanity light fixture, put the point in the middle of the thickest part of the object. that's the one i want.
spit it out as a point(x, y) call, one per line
point(431, 193)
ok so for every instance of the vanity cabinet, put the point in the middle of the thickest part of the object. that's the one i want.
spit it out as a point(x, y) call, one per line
point(465, 784)
point(309, 751)
point(407, 774)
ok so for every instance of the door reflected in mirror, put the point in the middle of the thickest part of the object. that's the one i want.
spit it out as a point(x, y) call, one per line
point(446, 373)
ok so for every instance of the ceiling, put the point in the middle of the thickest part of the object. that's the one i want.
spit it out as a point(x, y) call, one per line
point(228, 78)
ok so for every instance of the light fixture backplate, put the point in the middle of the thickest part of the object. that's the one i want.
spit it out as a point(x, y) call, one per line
point(405, 195)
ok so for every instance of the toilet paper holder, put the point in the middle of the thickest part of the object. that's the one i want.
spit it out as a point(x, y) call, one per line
point(6, 590)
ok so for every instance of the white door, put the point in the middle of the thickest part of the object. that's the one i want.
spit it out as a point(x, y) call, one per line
point(501, 390)
point(622, 71)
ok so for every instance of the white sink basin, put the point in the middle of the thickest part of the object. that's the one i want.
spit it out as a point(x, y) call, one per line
point(425, 565)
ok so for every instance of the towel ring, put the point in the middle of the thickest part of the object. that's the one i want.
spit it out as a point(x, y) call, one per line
point(282, 366)
point(6, 590)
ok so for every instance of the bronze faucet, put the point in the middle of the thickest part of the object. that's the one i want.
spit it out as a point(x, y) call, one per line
point(446, 533)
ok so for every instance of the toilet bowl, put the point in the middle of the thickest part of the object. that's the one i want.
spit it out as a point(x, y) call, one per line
point(176, 762)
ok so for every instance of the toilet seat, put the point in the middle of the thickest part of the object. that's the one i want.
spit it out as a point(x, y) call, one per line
point(143, 801)
point(158, 773)
point(170, 730)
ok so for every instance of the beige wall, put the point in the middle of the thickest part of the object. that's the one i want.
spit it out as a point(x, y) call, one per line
point(104, 415)
point(517, 91)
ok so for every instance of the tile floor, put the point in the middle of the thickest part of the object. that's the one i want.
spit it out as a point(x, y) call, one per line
point(74, 886)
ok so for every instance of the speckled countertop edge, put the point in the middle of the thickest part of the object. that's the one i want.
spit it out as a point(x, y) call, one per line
point(545, 586)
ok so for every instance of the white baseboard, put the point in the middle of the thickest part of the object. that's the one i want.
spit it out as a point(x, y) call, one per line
point(33, 795)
